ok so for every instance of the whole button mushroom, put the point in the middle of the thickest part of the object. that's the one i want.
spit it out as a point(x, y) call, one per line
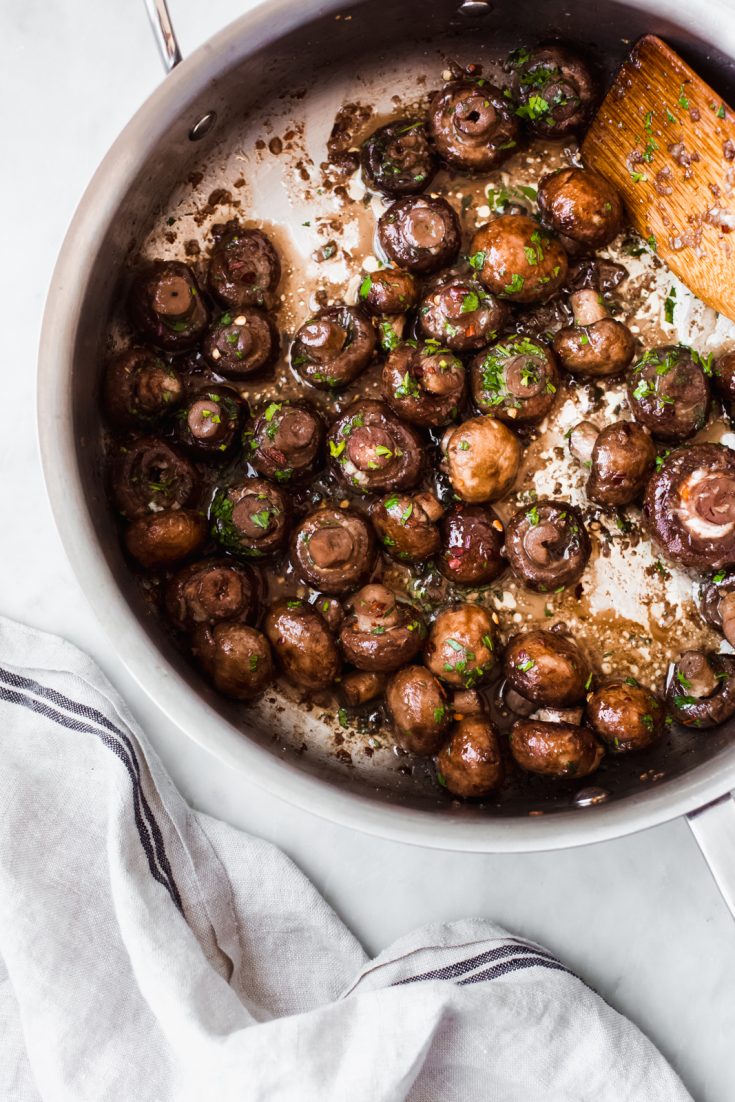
point(406, 525)
point(166, 306)
point(620, 459)
point(372, 451)
point(335, 346)
point(555, 749)
point(240, 344)
point(473, 125)
point(139, 389)
point(555, 88)
point(303, 644)
point(546, 668)
point(424, 384)
point(251, 518)
point(482, 458)
point(547, 545)
point(212, 591)
point(389, 291)
point(515, 379)
point(460, 314)
point(420, 233)
point(150, 476)
point(471, 763)
point(669, 393)
point(517, 259)
point(333, 550)
point(418, 708)
point(723, 381)
point(163, 539)
point(380, 633)
point(238, 658)
point(596, 346)
point(717, 603)
point(472, 543)
point(286, 443)
point(244, 270)
point(626, 716)
point(582, 206)
point(208, 423)
point(700, 689)
point(461, 646)
point(397, 158)
point(690, 506)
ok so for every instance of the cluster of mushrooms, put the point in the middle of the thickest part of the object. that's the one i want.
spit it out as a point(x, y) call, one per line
point(271, 530)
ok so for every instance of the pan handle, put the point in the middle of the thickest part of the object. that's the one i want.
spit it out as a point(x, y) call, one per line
point(164, 33)
point(714, 828)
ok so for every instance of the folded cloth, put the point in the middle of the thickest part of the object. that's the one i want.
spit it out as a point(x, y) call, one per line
point(149, 952)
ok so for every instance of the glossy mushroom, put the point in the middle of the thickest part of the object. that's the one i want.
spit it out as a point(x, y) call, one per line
point(162, 539)
point(424, 384)
point(555, 749)
point(471, 545)
point(372, 451)
point(286, 442)
point(517, 259)
point(389, 291)
point(555, 89)
point(418, 708)
point(690, 506)
point(669, 392)
point(596, 346)
point(237, 657)
point(516, 379)
point(208, 423)
point(626, 715)
point(700, 690)
point(461, 646)
point(149, 476)
point(420, 233)
point(250, 518)
point(723, 381)
point(303, 644)
point(406, 525)
point(473, 125)
point(620, 459)
point(333, 550)
point(460, 314)
point(547, 545)
point(546, 668)
point(717, 603)
point(361, 686)
point(380, 632)
point(482, 457)
point(166, 306)
point(241, 343)
point(582, 207)
point(244, 270)
point(332, 348)
point(139, 389)
point(212, 591)
point(397, 159)
point(471, 763)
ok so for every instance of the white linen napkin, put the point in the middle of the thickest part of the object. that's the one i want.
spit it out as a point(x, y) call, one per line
point(149, 953)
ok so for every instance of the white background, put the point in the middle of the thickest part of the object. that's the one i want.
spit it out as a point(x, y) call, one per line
point(640, 919)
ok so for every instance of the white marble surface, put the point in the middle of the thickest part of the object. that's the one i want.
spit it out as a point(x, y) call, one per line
point(640, 918)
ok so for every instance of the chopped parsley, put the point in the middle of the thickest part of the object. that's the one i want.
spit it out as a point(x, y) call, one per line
point(365, 286)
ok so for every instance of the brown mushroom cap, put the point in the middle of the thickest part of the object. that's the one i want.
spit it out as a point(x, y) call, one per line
point(241, 343)
point(516, 379)
point(555, 749)
point(166, 305)
point(286, 443)
point(373, 451)
point(420, 233)
point(556, 89)
point(460, 314)
point(389, 291)
point(546, 668)
point(333, 347)
point(418, 708)
point(596, 346)
point(723, 380)
point(623, 459)
point(212, 591)
point(582, 205)
point(236, 657)
point(547, 545)
point(461, 646)
point(208, 423)
point(717, 603)
point(626, 715)
point(669, 393)
point(473, 125)
point(472, 543)
point(251, 518)
point(162, 539)
point(482, 459)
point(139, 389)
point(406, 525)
point(471, 764)
point(148, 475)
point(303, 644)
point(244, 269)
point(517, 260)
point(397, 159)
point(380, 633)
point(700, 689)
point(424, 384)
point(333, 549)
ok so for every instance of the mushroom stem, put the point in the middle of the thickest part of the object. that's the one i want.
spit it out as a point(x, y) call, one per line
point(431, 506)
point(582, 440)
point(560, 715)
point(361, 686)
point(695, 670)
point(727, 613)
point(587, 307)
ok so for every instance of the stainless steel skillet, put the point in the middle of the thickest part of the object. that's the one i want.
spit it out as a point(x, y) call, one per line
point(197, 117)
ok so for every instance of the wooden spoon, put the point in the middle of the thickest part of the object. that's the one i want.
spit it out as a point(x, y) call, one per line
point(667, 141)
